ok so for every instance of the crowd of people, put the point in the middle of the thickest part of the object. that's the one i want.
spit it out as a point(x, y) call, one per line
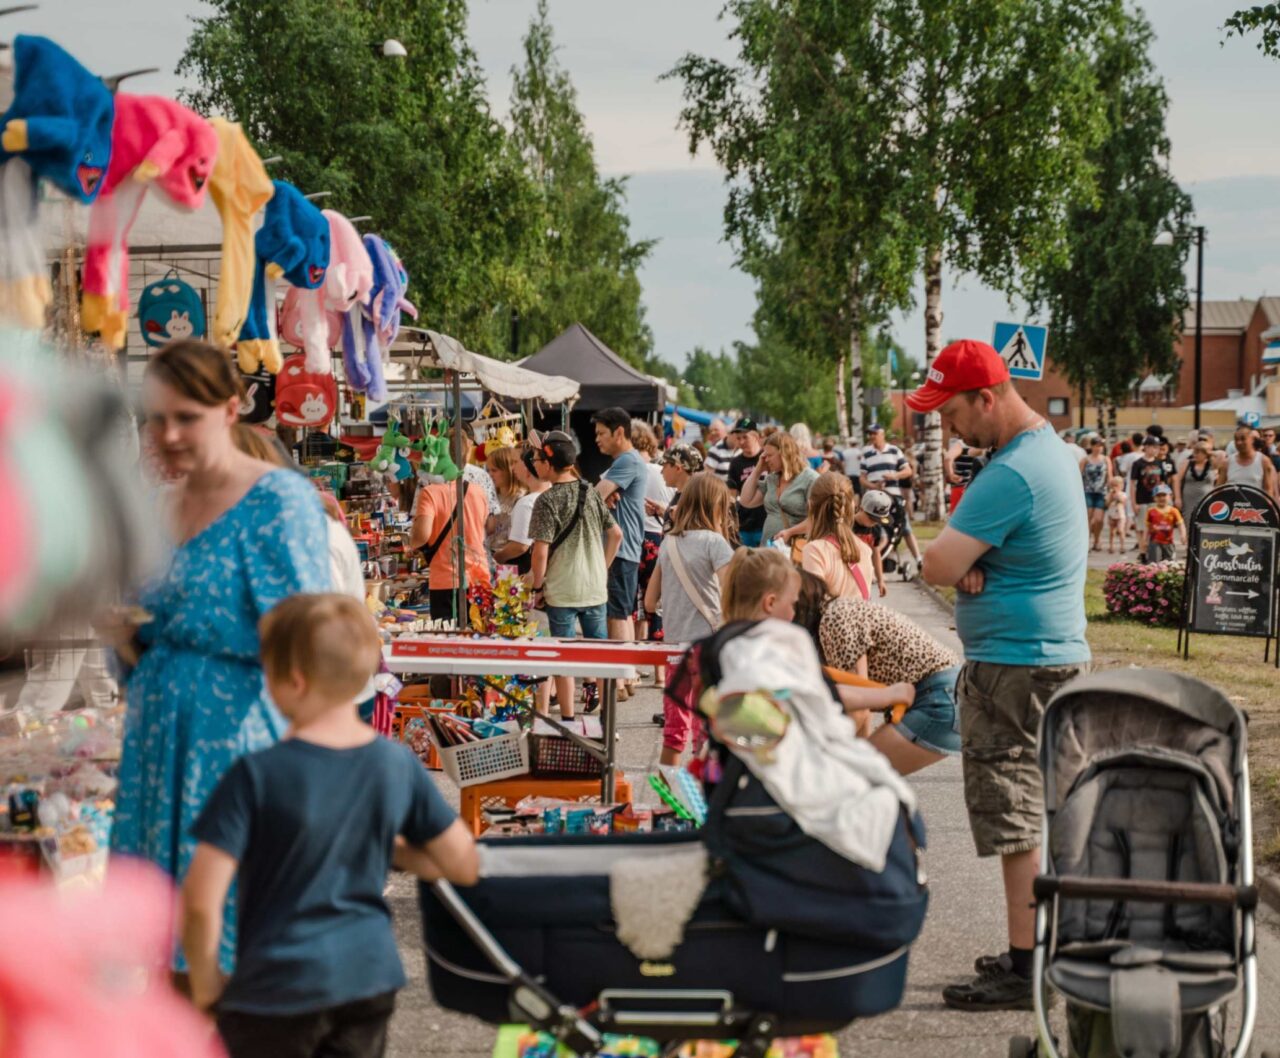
point(254, 630)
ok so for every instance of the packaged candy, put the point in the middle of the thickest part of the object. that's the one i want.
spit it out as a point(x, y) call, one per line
point(633, 821)
point(577, 820)
point(552, 820)
point(600, 822)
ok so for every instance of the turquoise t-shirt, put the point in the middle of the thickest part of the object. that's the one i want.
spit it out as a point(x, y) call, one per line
point(1027, 504)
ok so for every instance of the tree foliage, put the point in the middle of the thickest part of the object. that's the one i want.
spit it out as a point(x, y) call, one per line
point(588, 272)
point(714, 379)
point(1263, 19)
point(1117, 302)
point(410, 142)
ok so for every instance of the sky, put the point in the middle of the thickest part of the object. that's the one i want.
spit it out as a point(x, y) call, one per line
point(1223, 100)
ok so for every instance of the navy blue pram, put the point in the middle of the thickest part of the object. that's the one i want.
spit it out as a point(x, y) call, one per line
point(788, 938)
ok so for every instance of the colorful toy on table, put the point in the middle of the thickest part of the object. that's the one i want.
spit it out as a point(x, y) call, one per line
point(57, 128)
point(239, 187)
point(292, 243)
point(158, 143)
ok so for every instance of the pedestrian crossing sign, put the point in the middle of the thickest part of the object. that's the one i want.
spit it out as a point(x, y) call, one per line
point(1022, 347)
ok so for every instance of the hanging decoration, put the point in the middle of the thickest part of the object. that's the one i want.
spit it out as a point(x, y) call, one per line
point(57, 128)
point(170, 308)
point(293, 242)
point(154, 141)
point(305, 398)
point(363, 350)
point(239, 187)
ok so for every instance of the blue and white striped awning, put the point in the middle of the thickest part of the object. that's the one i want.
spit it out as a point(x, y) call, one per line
point(1271, 354)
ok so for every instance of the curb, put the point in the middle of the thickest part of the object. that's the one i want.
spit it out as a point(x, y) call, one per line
point(1268, 888)
point(933, 593)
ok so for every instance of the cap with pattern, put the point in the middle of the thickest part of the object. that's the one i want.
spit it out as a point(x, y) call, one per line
point(686, 457)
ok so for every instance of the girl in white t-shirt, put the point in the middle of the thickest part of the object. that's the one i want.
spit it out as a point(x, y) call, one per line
point(691, 566)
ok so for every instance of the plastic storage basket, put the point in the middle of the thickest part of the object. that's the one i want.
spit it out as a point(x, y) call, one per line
point(558, 757)
point(500, 757)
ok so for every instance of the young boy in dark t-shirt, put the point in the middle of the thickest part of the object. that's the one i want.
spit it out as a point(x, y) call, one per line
point(309, 829)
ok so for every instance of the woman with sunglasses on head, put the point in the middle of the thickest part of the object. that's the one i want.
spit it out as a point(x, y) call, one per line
point(518, 549)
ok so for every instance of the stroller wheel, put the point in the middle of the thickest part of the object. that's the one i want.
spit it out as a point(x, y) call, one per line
point(908, 569)
point(1022, 1047)
point(890, 563)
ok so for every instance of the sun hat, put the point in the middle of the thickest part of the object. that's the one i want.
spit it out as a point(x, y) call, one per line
point(961, 366)
point(878, 505)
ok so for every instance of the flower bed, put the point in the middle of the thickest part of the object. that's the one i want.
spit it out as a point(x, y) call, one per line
point(1150, 593)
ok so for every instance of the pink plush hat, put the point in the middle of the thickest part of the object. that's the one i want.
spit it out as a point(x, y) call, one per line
point(349, 281)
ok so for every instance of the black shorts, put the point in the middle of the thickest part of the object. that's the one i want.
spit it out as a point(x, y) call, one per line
point(624, 577)
point(442, 602)
point(353, 1030)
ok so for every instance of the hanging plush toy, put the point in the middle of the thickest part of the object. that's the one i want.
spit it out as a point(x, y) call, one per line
point(348, 285)
point(57, 128)
point(436, 458)
point(294, 242)
point(259, 401)
point(305, 398)
point(362, 352)
point(154, 142)
point(239, 188)
point(295, 318)
point(392, 456)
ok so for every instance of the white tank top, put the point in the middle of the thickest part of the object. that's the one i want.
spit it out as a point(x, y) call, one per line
point(1251, 474)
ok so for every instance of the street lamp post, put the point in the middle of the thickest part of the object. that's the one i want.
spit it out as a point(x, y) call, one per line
point(1166, 238)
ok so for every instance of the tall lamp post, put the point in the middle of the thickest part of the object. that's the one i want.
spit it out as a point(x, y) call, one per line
point(1167, 238)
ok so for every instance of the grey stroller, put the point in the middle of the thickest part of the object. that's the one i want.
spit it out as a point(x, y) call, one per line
point(1145, 903)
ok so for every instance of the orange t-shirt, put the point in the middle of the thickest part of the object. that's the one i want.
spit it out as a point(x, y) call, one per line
point(1161, 523)
point(434, 504)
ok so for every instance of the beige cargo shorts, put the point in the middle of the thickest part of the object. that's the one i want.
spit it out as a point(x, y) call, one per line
point(1000, 710)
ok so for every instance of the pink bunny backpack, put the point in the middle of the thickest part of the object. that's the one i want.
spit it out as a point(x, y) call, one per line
point(295, 319)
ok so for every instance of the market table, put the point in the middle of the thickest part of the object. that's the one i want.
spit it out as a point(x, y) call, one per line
point(605, 659)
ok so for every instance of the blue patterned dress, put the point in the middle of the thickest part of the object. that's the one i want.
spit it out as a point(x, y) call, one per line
point(197, 700)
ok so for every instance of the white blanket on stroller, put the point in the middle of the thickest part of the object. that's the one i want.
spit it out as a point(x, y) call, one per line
point(837, 787)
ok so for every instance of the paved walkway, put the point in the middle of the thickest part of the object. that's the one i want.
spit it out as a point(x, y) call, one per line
point(965, 919)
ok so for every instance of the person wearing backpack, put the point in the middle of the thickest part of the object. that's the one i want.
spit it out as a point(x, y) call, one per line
point(574, 540)
point(833, 553)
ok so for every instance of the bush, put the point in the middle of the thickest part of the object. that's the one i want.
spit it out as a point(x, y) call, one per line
point(1151, 594)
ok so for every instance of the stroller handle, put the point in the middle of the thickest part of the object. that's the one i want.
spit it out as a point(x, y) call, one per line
point(1156, 892)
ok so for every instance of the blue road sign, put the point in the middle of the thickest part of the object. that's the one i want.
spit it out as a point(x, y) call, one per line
point(1023, 346)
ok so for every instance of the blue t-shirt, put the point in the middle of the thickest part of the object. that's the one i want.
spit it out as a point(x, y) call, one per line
point(1028, 505)
point(313, 831)
point(629, 474)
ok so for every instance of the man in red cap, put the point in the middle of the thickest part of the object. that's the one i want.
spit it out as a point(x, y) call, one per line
point(1016, 550)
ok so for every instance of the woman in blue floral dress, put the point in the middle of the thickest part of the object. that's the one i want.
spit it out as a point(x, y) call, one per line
point(246, 536)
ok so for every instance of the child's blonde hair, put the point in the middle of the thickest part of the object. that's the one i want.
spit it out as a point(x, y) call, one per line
point(831, 511)
point(705, 503)
point(329, 638)
point(754, 572)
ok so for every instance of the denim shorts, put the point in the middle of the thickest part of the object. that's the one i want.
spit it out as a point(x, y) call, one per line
point(932, 722)
point(1095, 501)
point(750, 537)
point(564, 621)
point(624, 580)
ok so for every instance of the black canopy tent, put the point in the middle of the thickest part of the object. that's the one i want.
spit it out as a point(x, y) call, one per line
point(604, 379)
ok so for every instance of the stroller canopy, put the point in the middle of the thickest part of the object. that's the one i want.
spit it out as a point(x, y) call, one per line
point(1123, 709)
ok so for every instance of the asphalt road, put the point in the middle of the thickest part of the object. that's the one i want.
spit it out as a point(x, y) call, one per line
point(966, 919)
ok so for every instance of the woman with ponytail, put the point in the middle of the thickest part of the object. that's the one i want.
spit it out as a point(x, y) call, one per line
point(833, 553)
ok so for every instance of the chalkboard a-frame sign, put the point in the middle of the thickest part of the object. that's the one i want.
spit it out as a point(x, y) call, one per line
point(1231, 586)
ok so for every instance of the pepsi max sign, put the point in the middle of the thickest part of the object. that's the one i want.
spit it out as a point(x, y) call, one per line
point(1236, 513)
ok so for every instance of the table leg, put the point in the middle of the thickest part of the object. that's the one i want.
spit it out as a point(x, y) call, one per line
point(609, 705)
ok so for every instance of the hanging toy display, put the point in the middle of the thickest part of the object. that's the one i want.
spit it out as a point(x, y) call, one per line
point(154, 142)
point(170, 308)
point(379, 321)
point(392, 456)
point(259, 402)
point(295, 317)
point(347, 287)
point(293, 242)
point(305, 398)
point(57, 128)
point(239, 188)
point(436, 459)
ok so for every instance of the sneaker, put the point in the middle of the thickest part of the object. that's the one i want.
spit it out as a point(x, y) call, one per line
point(999, 989)
point(660, 719)
point(987, 964)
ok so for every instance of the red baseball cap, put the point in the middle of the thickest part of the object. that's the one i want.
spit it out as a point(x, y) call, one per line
point(961, 366)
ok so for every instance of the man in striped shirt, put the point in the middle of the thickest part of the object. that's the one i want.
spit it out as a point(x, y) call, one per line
point(885, 467)
point(720, 448)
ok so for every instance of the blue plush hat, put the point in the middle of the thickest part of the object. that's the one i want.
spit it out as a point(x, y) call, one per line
point(67, 114)
point(295, 236)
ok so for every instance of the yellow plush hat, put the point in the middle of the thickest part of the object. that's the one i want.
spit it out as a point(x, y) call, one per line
point(240, 187)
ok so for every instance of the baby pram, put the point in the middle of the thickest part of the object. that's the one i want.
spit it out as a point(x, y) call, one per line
point(894, 534)
point(1145, 903)
point(788, 937)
